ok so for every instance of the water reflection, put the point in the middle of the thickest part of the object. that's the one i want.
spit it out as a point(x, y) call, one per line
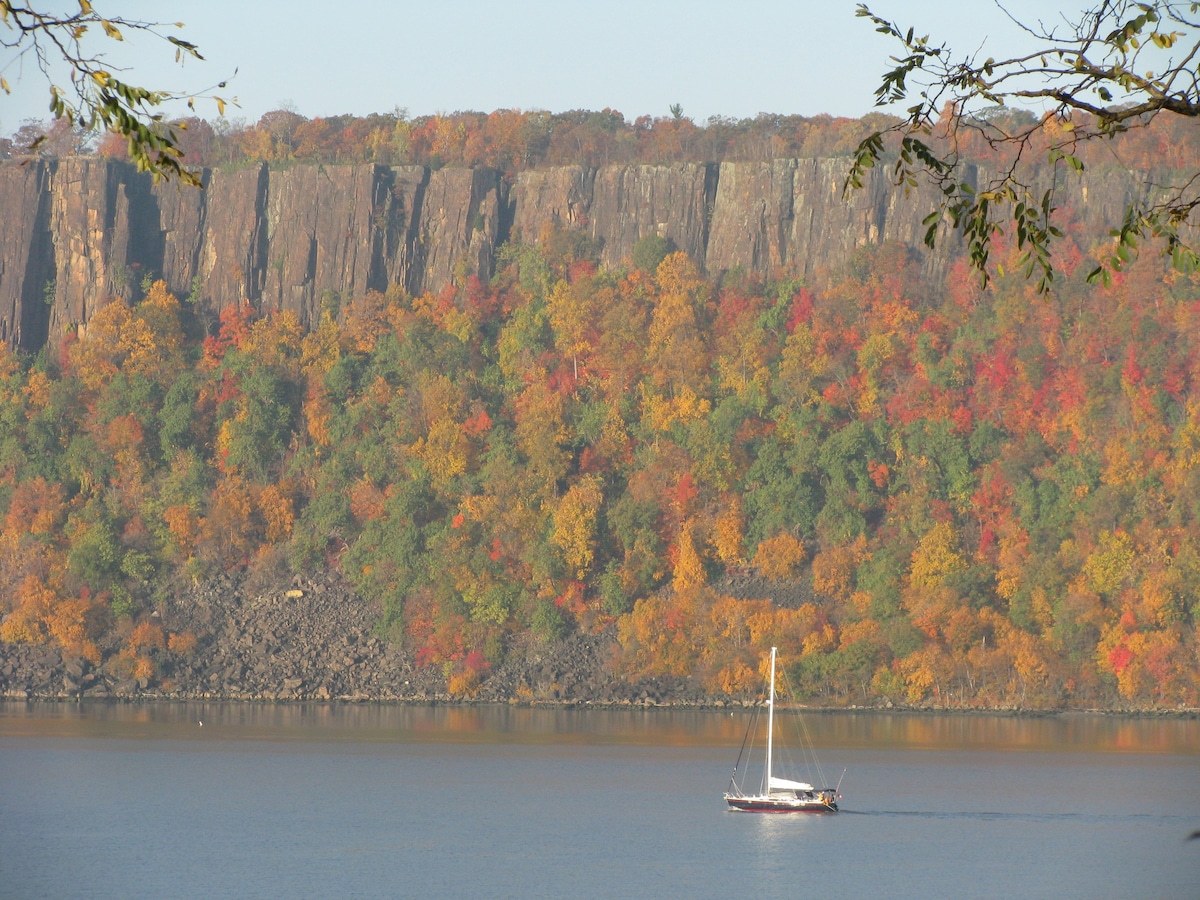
point(658, 727)
point(1130, 819)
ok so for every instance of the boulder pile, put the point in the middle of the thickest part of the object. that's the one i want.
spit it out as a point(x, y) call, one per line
point(314, 639)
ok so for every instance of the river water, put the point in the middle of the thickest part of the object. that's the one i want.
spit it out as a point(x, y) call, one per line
point(378, 801)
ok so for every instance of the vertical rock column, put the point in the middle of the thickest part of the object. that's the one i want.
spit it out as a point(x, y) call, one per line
point(322, 227)
point(752, 217)
point(632, 202)
point(558, 198)
point(89, 228)
point(180, 221)
point(232, 251)
point(27, 267)
point(459, 226)
point(400, 239)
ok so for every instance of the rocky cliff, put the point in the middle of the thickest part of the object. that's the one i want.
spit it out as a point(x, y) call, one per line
point(76, 233)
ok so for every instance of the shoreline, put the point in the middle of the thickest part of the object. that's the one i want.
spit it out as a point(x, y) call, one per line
point(715, 705)
point(324, 647)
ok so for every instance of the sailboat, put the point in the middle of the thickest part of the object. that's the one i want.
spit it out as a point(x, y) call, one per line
point(777, 794)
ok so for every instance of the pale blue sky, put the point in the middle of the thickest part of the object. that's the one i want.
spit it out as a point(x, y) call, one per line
point(715, 57)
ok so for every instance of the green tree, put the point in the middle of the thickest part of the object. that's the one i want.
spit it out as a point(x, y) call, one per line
point(651, 250)
point(782, 491)
point(256, 430)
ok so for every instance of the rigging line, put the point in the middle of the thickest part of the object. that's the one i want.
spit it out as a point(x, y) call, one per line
point(753, 735)
point(744, 751)
point(795, 722)
point(745, 737)
point(809, 748)
point(808, 754)
point(809, 743)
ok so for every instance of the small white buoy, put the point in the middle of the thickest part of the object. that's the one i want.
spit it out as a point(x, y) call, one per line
point(201, 724)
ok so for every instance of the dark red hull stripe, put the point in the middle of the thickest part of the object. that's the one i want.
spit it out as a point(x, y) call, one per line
point(750, 806)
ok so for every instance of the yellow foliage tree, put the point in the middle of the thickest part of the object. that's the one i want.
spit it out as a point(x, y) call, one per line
point(155, 349)
point(184, 527)
point(575, 524)
point(278, 340)
point(800, 366)
point(736, 678)
point(317, 413)
point(145, 340)
point(663, 635)
point(675, 343)
point(874, 353)
point(1110, 563)
point(730, 617)
point(320, 349)
point(936, 557)
point(463, 684)
point(689, 566)
point(37, 390)
point(72, 622)
point(925, 671)
point(278, 511)
point(1012, 554)
point(97, 356)
point(833, 568)
point(819, 640)
point(27, 621)
point(571, 315)
point(728, 534)
point(445, 448)
point(780, 558)
point(228, 534)
point(542, 432)
point(445, 451)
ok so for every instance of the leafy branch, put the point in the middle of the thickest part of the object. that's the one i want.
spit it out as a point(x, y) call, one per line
point(99, 98)
point(1091, 79)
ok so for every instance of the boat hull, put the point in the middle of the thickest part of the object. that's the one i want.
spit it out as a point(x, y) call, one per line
point(780, 805)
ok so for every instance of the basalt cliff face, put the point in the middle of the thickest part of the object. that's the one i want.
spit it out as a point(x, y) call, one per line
point(76, 233)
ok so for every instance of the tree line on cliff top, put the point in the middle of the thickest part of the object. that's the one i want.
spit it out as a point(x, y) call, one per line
point(988, 496)
point(513, 140)
point(510, 140)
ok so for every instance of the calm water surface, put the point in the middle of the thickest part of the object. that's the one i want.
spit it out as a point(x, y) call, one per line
point(368, 801)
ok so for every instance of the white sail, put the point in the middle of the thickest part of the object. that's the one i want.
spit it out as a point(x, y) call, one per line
point(783, 784)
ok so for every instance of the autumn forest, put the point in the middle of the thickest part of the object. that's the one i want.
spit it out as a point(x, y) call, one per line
point(960, 495)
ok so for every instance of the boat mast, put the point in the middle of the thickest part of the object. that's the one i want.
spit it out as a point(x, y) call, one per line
point(770, 720)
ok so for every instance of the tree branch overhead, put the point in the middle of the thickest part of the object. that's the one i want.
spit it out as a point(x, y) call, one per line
point(1087, 83)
